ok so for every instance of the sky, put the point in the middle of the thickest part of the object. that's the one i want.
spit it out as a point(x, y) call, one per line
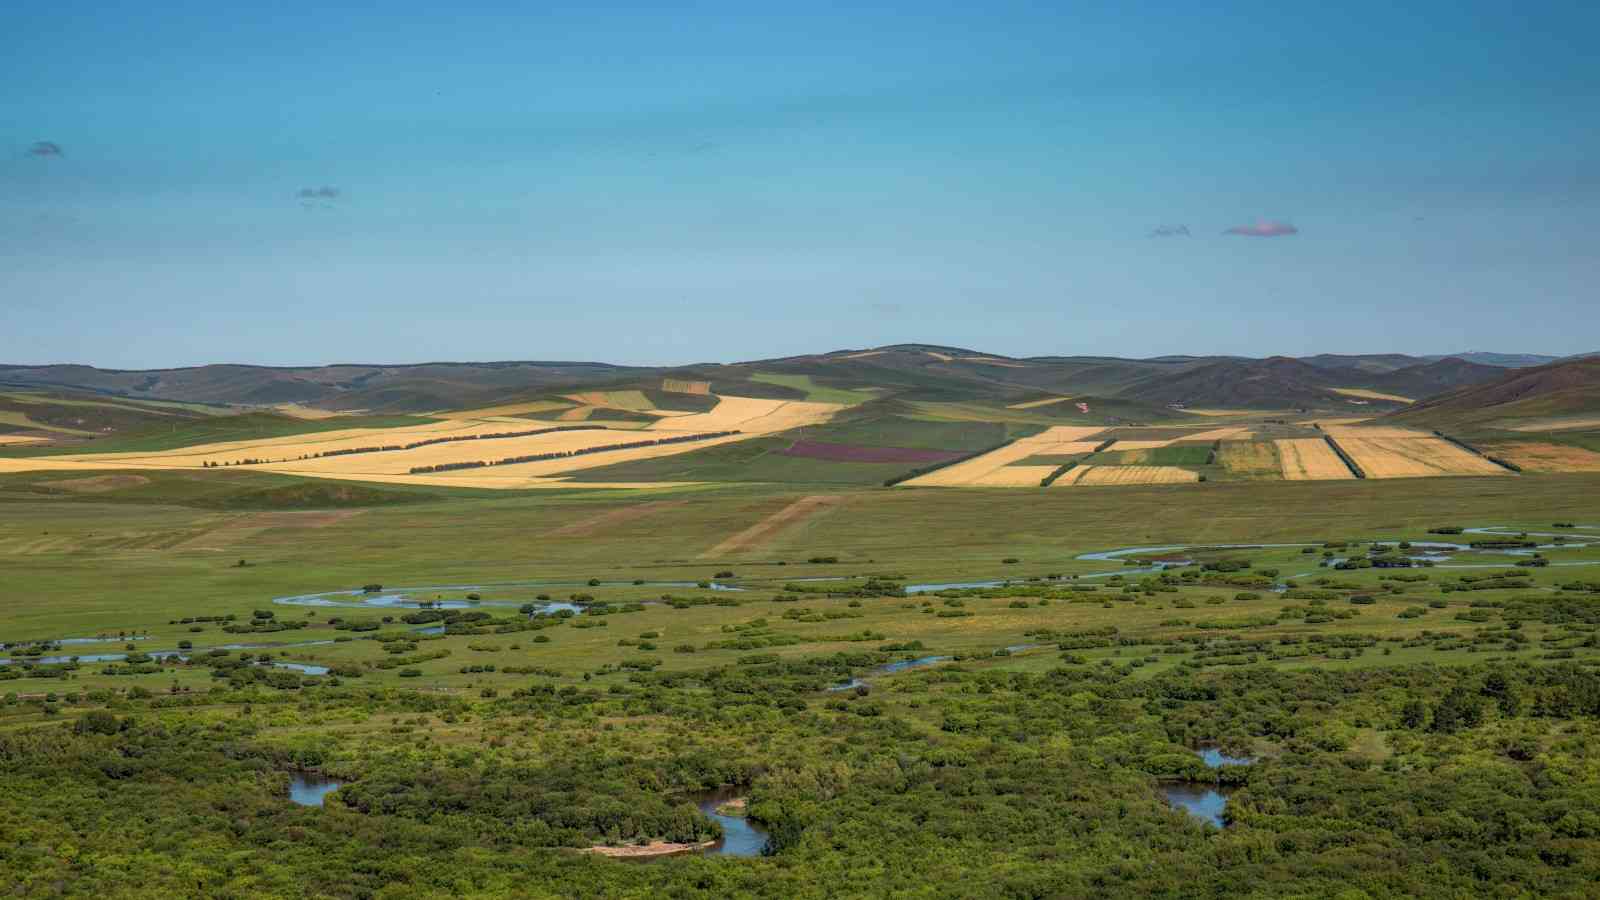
point(656, 183)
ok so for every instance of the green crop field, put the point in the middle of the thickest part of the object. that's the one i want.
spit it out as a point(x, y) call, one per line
point(813, 391)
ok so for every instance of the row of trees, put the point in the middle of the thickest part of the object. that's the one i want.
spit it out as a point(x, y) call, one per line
point(563, 454)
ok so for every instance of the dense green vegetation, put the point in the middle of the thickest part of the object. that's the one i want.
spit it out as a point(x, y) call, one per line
point(955, 782)
point(1419, 730)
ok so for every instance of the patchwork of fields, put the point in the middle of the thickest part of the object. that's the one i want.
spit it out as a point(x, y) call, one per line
point(986, 470)
point(392, 455)
point(843, 432)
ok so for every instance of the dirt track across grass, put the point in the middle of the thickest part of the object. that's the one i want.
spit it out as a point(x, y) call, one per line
point(766, 530)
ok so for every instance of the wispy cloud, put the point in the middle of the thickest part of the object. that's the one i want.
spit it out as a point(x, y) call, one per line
point(1163, 231)
point(46, 148)
point(325, 192)
point(1264, 229)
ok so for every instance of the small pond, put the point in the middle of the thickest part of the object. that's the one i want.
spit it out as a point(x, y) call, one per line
point(1205, 802)
point(307, 789)
point(891, 669)
point(740, 836)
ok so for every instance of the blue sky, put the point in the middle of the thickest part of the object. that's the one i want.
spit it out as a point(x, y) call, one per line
point(661, 183)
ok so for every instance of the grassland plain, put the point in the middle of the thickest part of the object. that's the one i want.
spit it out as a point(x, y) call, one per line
point(170, 562)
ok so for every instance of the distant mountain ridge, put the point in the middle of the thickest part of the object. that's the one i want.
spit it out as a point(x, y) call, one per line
point(915, 370)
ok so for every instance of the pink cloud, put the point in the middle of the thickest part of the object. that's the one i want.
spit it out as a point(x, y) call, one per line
point(1264, 229)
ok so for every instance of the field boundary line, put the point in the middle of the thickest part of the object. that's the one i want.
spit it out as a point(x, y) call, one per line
point(929, 469)
point(1502, 463)
point(1339, 451)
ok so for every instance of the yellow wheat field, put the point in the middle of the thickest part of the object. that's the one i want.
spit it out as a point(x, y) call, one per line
point(1365, 394)
point(505, 410)
point(1071, 476)
point(1250, 459)
point(751, 415)
point(287, 446)
point(400, 462)
point(974, 471)
point(1065, 447)
point(1139, 445)
point(19, 439)
point(940, 356)
point(577, 414)
point(1218, 434)
point(1014, 476)
point(1310, 459)
point(864, 354)
point(1414, 457)
point(1542, 457)
point(1340, 432)
point(680, 386)
point(1048, 401)
point(1133, 475)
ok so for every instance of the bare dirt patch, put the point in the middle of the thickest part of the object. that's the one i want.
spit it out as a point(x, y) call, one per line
point(654, 848)
point(681, 386)
point(766, 530)
point(1031, 404)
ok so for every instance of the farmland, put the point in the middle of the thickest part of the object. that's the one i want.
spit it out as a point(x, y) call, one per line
point(1251, 459)
point(396, 454)
point(1134, 474)
point(1310, 459)
point(984, 470)
point(1400, 453)
point(1538, 456)
point(1365, 394)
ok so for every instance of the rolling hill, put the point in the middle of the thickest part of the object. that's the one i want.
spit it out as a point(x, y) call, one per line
point(1551, 397)
point(918, 372)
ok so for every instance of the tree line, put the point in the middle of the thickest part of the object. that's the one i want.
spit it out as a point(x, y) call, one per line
point(562, 454)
